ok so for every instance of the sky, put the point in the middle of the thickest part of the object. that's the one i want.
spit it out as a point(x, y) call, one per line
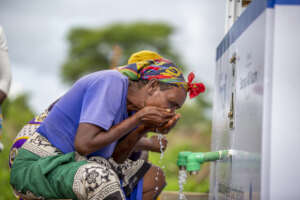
point(37, 30)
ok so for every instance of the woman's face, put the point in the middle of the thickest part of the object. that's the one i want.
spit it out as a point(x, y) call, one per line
point(172, 98)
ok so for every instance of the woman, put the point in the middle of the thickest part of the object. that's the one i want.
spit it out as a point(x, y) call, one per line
point(80, 149)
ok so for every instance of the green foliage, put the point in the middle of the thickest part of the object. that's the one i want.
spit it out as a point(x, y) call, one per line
point(91, 49)
point(195, 115)
point(6, 192)
point(16, 113)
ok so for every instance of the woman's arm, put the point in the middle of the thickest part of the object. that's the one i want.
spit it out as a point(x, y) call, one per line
point(90, 138)
point(151, 144)
point(127, 145)
point(136, 142)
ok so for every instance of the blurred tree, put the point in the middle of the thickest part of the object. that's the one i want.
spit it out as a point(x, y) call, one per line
point(97, 49)
point(93, 49)
point(17, 111)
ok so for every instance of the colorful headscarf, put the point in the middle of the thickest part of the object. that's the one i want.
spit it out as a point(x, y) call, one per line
point(147, 65)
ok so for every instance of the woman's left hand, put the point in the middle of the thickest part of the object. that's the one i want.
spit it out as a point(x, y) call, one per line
point(154, 143)
point(168, 126)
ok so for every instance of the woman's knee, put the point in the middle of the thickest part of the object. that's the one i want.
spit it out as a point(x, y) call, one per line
point(94, 180)
point(154, 179)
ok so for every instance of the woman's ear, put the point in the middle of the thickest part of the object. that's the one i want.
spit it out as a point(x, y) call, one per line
point(152, 86)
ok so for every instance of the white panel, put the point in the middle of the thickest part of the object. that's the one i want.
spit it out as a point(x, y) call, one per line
point(239, 178)
point(267, 101)
point(285, 127)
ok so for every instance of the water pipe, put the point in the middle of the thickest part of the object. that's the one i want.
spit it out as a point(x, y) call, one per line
point(192, 161)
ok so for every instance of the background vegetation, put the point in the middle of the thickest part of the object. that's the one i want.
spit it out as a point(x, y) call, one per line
point(16, 112)
point(106, 47)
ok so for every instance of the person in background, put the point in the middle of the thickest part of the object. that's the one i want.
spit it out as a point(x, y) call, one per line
point(81, 146)
point(5, 76)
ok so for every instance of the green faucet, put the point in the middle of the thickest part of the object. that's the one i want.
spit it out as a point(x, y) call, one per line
point(192, 161)
point(182, 159)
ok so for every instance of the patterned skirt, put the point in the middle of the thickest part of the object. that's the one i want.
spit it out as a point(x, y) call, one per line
point(41, 171)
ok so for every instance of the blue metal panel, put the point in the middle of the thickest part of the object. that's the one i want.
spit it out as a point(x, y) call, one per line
point(246, 19)
point(243, 22)
point(287, 2)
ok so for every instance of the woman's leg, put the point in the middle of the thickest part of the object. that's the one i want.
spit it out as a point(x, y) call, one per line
point(152, 187)
point(62, 177)
point(97, 181)
point(40, 170)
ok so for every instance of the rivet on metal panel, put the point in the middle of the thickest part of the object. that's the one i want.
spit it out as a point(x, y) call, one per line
point(231, 112)
point(245, 3)
point(233, 59)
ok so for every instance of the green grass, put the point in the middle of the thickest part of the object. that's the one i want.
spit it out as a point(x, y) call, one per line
point(5, 188)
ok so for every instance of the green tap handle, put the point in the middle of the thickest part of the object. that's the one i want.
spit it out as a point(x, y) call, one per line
point(182, 159)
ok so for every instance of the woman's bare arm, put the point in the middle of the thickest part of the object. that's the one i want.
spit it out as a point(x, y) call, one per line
point(90, 138)
point(151, 144)
point(136, 142)
point(127, 145)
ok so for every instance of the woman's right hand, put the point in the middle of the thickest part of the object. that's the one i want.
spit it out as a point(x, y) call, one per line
point(153, 117)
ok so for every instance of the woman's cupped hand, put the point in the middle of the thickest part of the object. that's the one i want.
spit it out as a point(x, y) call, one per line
point(160, 120)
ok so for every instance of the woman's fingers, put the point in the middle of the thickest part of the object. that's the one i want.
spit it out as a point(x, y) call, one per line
point(176, 118)
point(171, 123)
point(158, 145)
point(164, 143)
point(157, 117)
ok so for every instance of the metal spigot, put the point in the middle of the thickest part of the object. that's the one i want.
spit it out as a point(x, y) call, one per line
point(194, 173)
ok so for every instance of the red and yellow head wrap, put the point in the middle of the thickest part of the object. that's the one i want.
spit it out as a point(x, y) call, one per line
point(147, 65)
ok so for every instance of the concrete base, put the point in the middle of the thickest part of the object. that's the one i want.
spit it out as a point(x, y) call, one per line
point(189, 196)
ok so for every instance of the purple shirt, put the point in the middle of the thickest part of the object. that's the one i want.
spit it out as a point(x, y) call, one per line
point(99, 98)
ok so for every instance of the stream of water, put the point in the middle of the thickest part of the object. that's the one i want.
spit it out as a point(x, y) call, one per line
point(181, 181)
point(182, 173)
point(160, 137)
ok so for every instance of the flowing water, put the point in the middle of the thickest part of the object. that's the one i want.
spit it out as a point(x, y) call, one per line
point(181, 181)
point(160, 137)
point(182, 173)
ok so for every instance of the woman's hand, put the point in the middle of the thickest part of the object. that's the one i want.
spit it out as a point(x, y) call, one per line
point(151, 144)
point(168, 126)
point(155, 145)
point(153, 117)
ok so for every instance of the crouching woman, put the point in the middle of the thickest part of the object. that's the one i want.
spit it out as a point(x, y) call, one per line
point(81, 147)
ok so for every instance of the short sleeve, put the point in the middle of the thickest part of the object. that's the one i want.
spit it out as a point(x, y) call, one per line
point(102, 101)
